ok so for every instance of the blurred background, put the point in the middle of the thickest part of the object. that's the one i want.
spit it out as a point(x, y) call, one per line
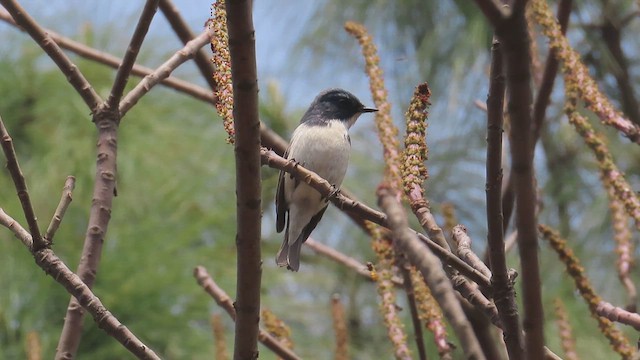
point(176, 206)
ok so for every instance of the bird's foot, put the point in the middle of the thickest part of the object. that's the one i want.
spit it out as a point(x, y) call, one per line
point(335, 191)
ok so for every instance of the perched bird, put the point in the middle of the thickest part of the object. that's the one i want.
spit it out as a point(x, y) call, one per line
point(321, 144)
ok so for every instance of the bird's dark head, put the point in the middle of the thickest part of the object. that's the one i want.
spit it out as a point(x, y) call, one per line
point(335, 104)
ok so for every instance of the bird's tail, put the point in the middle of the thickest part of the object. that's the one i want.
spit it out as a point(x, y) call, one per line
point(289, 254)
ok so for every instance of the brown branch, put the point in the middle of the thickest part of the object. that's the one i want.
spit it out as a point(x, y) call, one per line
point(163, 71)
point(20, 184)
point(17, 229)
point(48, 261)
point(106, 121)
point(539, 107)
point(340, 329)
point(248, 183)
point(65, 200)
point(493, 11)
point(224, 301)
point(503, 292)
point(431, 269)
point(40, 36)
point(124, 70)
point(180, 27)
point(363, 211)
point(618, 314)
point(512, 33)
point(87, 52)
point(343, 259)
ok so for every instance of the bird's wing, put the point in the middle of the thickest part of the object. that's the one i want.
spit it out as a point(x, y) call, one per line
point(282, 208)
point(311, 225)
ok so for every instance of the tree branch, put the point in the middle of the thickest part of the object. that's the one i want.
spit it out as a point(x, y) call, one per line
point(124, 70)
point(503, 293)
point(224, 301)
point(431, 269)
point(248, 185)
point(364, 212)
point(163, 71)
point(185, 34)
point(39, 242)
point(40, 36)
point(65, 200)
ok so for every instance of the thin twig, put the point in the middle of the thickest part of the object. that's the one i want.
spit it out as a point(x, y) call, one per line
point(224, 301)
point(40, 36)
point(163, 71)
point(343, 259)
point(17, 229)
point(90, 53)
point(363, 211)
point(180, 27)
point(432, 271)
point(65, 200)
point(20, 184)
point(124, 70)
point(248, 183)
point(503, 292)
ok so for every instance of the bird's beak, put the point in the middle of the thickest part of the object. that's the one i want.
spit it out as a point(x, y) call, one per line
point(367, 110)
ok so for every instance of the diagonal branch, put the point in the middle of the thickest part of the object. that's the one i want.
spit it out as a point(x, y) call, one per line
point(431, 268)
point(364, 212)
point(224, 301)
point(185, 34)
point(65, 200)
point(112, 61)
point(40, 36)
point(39, 242)
point(164, 70)
point(130, 56)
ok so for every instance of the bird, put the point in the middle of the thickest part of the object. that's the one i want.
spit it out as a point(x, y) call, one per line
point(320, 143)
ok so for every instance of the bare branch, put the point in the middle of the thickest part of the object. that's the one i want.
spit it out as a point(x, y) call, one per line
point(40, 36)
point(363, 211)
point(185, 34)
point(225, 302)
point(248, 183)
point(17, 229)
point(163, 71)
point(65, 200)
point(54, 267)
point(39, 242)
point(124, 70)
point(503, 292)
point(462, 242)
point(618, 314)
point(431, 270)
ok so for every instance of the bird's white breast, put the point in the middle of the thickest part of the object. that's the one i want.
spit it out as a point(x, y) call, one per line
point(324, 150)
